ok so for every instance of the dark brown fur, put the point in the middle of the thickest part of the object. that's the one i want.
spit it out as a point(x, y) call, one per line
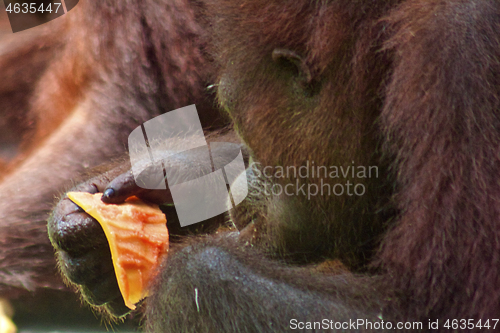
point(411, 86)
point(441, 120)
point(422, 78)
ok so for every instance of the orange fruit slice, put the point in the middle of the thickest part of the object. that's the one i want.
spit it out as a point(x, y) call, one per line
point(137, 235)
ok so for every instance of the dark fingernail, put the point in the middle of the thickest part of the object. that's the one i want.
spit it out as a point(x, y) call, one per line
point(109, 193)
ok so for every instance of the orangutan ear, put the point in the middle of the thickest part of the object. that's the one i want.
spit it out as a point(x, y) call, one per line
point(294, 60)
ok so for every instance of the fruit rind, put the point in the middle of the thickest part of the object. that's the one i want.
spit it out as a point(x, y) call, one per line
point(137, 236)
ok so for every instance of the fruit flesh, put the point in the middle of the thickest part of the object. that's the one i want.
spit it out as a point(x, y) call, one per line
point(137, 235)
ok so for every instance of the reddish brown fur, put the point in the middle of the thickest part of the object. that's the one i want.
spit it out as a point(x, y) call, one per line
point(94, 75)
point(412, 86)
point(347, 66)
point(23, 60)
point(436, 105)
point(441, 120)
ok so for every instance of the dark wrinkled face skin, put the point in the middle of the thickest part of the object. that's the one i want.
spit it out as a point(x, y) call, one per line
point(297, 111)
